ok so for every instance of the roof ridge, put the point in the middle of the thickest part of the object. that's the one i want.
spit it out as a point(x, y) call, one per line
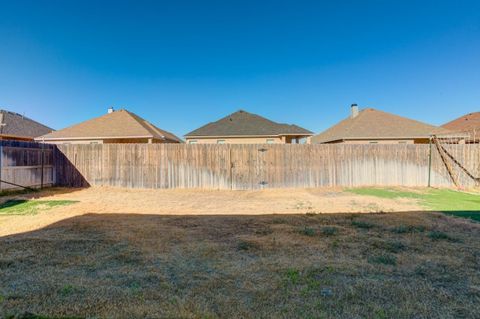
point(373, 123)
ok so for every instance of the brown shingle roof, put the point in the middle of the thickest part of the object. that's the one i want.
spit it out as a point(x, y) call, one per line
point(468, 124)
point(375, 124)
point(16, 125)
point(118, 124)
point(242, 123)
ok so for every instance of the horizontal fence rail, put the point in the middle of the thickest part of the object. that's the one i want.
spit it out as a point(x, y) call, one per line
point(256, 166)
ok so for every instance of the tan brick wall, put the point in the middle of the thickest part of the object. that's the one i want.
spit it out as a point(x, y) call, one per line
point(106, 141)
point(236, 140)
point(406, 141)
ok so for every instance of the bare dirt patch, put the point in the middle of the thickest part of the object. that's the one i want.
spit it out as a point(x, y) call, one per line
point(106, 200)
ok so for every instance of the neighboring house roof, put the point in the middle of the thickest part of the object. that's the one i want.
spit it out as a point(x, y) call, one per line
point(16, 125)
point(466, 123)
point(242, 123)
point(375, 124)
point(118, 124)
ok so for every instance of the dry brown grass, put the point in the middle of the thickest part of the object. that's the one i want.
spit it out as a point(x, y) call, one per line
point(386, 265)
point(108, 200)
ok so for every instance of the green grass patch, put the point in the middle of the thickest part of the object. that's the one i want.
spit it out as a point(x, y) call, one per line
point(292, 275)
point(389, 193)
point(307, 231)
point(30, 207)
point(452, 202)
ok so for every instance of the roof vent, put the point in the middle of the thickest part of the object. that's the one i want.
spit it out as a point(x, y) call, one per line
point(354, 111)
point(111, 110)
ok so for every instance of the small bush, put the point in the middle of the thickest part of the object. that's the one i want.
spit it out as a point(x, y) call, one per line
point(307, 231)
point(385, 259)
point(329, 231)
point(362, 224)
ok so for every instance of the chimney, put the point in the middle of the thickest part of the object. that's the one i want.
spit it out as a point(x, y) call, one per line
point(354, 111)
point(110, 110)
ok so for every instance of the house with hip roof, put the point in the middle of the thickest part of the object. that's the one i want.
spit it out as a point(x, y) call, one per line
point(371, 126)
point(119, 126)
point(242, 127)
point(468, 124)
point(14, 126)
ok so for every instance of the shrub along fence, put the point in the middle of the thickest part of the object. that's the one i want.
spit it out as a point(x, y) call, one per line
point(259, 166)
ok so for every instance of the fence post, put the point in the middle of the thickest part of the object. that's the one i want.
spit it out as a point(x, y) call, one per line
point(42, 162)
point(430, 162)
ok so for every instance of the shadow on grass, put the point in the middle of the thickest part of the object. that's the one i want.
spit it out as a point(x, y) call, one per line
point(469, 214)
point(12, 203)
point(136, 266)
point(35, 193)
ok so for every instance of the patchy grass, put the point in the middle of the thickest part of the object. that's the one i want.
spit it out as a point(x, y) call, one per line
point(454, 203)
point(403, 229)
point(30, 207)
point(307, 231)
point(329, 230)
point(385, 259)
point(438, 235)
point(362, 224)
point(157, 266)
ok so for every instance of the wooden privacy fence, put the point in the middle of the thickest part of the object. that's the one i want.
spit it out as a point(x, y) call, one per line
point(24, 164)
point(256, 166)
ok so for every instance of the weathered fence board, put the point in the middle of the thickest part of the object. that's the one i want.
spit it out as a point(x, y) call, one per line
point(26, 164)
point(254, 166)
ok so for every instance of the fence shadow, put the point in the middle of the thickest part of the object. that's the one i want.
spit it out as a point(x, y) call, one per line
point(67, 174)
point(87, 263)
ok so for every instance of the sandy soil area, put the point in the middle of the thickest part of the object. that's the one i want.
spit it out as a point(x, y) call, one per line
point(107, 200)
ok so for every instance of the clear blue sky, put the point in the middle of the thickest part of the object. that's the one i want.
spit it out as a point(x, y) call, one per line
point(181, 64)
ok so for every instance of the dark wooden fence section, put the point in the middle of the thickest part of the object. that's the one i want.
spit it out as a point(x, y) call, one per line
point(26, 164)
point(255, 166)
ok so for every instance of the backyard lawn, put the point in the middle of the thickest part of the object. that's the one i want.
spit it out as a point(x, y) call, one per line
point(112, 253)
point(455, 203)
